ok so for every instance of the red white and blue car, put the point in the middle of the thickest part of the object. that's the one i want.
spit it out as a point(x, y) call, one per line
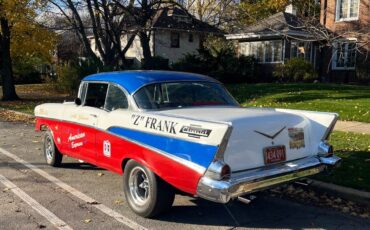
point(170, 131)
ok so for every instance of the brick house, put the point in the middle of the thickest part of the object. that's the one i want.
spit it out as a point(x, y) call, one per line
point(349, 20)
point(274, 40)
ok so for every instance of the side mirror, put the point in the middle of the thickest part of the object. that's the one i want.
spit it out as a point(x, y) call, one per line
point(78, 101)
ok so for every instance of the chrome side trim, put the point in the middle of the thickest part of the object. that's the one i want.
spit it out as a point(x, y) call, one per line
point(189, 164)
point(259, 179)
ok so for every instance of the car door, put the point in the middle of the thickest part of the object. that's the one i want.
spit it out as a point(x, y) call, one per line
point(109, 148)
point(80, 140)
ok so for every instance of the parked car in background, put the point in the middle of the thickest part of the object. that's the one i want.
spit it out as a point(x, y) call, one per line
point(170, 131)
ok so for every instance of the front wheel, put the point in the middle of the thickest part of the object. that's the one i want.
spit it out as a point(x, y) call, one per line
point(52, 155)
point(146, 193)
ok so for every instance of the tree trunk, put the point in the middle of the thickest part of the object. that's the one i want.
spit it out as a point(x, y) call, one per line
point(148, 60)
point(6, 63)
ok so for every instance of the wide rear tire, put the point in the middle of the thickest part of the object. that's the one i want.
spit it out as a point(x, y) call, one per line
point(52, 155)
point(146, 193)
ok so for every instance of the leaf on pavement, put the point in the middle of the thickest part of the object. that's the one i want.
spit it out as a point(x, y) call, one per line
point(86, 221)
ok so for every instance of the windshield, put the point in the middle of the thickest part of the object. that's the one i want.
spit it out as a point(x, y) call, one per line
point(182, 94)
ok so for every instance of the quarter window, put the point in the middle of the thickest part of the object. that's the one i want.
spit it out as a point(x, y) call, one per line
point(95, 96)
point(116, 99)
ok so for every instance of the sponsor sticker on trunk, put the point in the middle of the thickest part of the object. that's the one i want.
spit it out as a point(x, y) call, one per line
point(296, 136)
point(195, 131)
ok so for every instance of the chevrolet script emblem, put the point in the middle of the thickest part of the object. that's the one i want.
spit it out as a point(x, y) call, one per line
point(270, 136)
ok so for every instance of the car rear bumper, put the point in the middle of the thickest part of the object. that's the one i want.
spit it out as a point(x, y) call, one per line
point(242, 183)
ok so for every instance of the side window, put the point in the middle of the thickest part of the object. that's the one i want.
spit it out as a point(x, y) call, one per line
point(116, 99)
point(96, 93)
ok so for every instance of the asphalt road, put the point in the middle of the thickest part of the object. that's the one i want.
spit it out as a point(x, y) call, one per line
point(26, 192)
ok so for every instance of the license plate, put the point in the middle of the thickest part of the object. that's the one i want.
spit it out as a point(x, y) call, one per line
point(274, 154)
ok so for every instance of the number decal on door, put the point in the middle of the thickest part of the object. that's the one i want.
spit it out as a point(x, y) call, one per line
point(106, 148)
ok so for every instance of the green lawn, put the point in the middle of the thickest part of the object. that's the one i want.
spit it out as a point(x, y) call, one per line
point(350, 101)
point(354, 171)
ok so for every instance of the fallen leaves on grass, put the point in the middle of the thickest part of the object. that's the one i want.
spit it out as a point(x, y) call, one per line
point(6, 115)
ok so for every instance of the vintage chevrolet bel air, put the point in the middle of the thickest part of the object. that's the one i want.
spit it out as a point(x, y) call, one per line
point(169, 131)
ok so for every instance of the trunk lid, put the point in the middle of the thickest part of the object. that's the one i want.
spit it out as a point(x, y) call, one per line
point(255, 129)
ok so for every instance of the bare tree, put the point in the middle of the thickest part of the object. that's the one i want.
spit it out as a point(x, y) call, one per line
point(105, 22)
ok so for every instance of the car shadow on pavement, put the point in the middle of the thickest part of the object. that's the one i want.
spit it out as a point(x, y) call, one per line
point(80, 166)
point(264, 212)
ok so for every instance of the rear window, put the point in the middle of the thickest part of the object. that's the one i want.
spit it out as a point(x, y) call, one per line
point(182, 94)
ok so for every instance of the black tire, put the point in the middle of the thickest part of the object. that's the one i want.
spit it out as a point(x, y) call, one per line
point(52, 155)
point(160, 195)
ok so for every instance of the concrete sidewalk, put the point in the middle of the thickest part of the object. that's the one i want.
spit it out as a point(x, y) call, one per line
point(353, 126)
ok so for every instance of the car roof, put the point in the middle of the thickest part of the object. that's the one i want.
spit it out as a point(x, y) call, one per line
point(133, 80)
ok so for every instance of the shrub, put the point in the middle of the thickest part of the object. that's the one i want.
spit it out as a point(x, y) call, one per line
point(67, 79)
point(68, 76)
point(156, 63)
point(295, 70)
point(191, 63)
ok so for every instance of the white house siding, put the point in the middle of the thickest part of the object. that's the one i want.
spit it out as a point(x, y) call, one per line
point(163, 44)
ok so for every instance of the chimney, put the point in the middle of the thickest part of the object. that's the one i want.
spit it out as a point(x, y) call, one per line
point(291, 9)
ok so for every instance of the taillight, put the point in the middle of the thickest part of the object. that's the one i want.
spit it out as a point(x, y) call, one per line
point(225, 172)
point(218, 170)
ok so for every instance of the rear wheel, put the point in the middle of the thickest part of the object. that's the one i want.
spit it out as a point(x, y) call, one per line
point(146, 193)
point(52, 155)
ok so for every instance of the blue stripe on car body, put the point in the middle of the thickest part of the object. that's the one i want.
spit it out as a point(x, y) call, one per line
point(197, 153)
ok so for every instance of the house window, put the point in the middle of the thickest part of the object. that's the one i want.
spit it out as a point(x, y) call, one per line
point(344, 55)
point(191, 38)
point(347, 10)
point(300, 49)
point(263, 51)
point(175, 40)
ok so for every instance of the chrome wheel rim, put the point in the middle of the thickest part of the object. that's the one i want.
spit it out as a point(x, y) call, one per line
point(49, 149)
point(139, 186)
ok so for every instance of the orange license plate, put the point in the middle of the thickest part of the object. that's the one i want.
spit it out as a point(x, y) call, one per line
point(274, 154)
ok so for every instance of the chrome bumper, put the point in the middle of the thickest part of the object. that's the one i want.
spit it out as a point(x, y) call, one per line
point(222, 191)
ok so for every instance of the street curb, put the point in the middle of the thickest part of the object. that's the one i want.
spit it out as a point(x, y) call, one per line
point(344, 192)
point(18, 113)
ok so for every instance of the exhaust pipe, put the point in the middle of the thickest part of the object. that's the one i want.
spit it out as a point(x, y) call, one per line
point(246, 200)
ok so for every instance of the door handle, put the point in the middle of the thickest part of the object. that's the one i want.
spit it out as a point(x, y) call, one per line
point(94, 115)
